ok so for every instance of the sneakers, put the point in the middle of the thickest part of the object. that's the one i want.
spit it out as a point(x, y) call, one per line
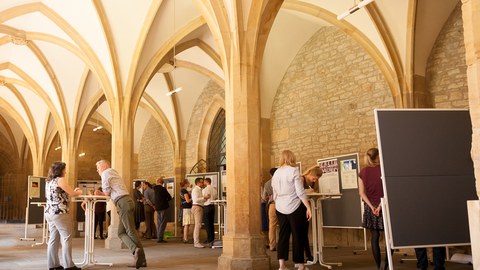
point(198, 246)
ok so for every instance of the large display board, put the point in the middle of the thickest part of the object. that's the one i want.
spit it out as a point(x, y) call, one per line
point(340, 175)
point(427, 175)
point(36, 193)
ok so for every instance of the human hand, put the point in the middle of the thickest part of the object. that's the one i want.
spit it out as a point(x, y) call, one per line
point(98, 192)
point(309, 214)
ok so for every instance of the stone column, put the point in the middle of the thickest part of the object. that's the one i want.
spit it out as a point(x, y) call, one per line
point(471, 21)
point(243, 31)
point(122, 158)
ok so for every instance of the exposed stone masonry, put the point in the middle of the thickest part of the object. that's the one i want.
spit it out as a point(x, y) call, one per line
point(446, 72)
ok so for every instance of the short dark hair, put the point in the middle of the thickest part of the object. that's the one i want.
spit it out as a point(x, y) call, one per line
point(198, 179)
point(272, 171)
point(56, 170)
point(208, 180)
point(137, 183)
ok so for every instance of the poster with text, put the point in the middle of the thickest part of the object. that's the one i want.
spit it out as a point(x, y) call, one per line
point(348, 172)
point(34, 187)
point(330, 180)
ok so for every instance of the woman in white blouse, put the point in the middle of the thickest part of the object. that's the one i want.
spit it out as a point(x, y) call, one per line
point(293, 209)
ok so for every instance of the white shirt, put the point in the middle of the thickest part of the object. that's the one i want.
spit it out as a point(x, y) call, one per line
point(197, 197)
point(288, 191)
point(213, 194)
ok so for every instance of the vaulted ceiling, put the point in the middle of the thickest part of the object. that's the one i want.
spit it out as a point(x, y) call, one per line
point(65, 62)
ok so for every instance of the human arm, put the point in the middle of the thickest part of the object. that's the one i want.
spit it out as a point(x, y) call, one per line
point(187, 197)
point(363, 195)
point(62, 183)
point(83, 205)
point(300, 190)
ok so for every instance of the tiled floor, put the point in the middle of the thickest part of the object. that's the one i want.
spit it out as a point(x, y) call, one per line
point(19, 255)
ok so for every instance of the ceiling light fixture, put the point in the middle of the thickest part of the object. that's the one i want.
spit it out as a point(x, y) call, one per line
point(172, 65)
point(58, 144)
point(354, 9)
point(176, 90)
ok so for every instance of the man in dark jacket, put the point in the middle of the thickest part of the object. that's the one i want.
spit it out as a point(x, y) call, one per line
point(162, 197)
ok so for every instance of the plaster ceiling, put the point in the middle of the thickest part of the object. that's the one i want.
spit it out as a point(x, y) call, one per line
point(69, 55)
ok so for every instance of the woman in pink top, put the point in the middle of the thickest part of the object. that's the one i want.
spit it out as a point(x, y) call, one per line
point(370, 189)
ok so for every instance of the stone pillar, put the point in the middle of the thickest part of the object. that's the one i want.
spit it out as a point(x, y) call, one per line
point(243, 31)
point(122, 158)
point(471, 21)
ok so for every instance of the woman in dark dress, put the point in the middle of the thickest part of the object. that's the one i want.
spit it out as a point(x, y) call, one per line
point(138, 198)
point(370, 189)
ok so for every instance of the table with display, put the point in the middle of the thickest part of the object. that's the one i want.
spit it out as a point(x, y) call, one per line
point(317, 226)
point(222, 222)
point(90, 201)
point(44, 224)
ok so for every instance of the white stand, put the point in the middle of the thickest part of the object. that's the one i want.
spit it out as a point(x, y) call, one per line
point(387, 230)
point(317, 226)
point(25, 238)
point(90, 201)
point(222, 208)
point(44, 227)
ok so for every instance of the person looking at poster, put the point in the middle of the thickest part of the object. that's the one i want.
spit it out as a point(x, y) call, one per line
point(310, 183)
point(57, 192)
point(370, 189)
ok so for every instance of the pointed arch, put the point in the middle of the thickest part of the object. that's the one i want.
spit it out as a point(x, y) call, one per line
point(215, 105)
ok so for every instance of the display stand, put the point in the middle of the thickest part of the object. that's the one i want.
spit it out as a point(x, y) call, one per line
point(222, 224)
point(90, 201)
point(44, 227)
point(317, 226)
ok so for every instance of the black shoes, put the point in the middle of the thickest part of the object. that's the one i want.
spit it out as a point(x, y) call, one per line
point(73, 268)
point(56, 268)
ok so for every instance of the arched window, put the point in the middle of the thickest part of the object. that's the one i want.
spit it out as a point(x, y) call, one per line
point(216, 149)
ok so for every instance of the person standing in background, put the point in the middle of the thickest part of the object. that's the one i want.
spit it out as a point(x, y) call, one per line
point(138, 198)
point(310, 183)
point(186, 203)
point(100, 209)
point(272, 214)
point(293, 210)
point(57, 192)
point(197, 210)
point(162, 197)
point(370, 189)
point(149, 200)
point(209, 209)
point(114, 186)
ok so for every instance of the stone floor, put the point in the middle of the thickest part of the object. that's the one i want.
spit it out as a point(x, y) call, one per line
point(19, 255)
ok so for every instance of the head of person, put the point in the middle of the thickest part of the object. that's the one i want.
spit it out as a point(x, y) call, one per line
point(312, 175)
point(288, 158)
point(58, 169)
point(102, 165)
point(138, 184)
point(272, 171)
point(199, 182)
point(372, 157)
point(100, 189)
point(184, 183)
point(208, 181)
point(146, 185)
point(160, 181)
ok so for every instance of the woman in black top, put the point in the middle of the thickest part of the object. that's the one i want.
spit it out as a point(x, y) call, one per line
point(139, 210)
point(186, 204)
